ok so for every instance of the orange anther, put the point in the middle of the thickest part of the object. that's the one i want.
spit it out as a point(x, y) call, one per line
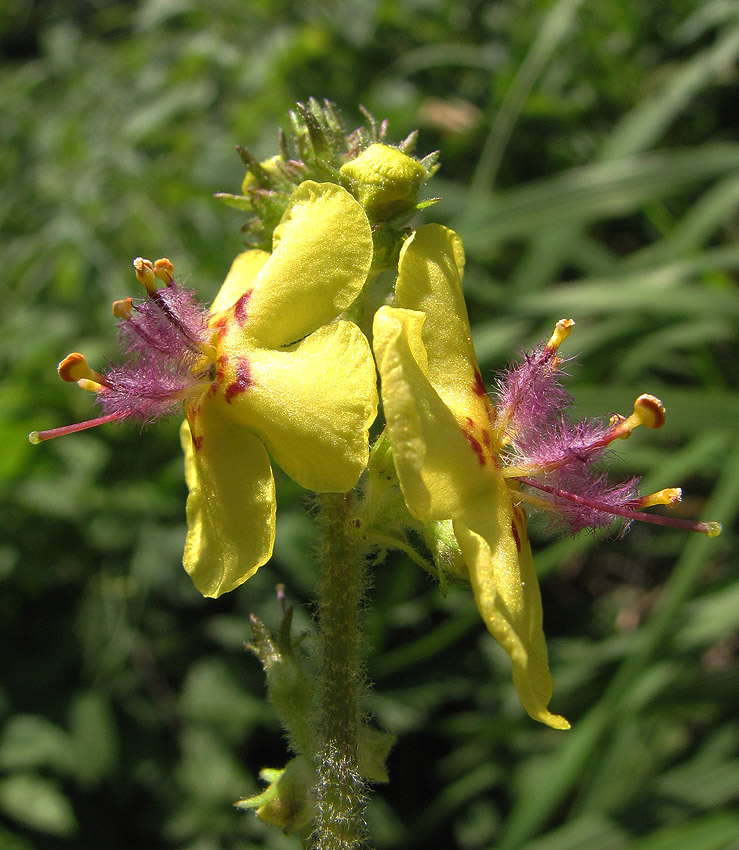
point(122, 309)
point(648, 411)
point(164, 270)
point(74, 368)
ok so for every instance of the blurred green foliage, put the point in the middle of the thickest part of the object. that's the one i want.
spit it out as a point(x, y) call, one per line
point(590, 162)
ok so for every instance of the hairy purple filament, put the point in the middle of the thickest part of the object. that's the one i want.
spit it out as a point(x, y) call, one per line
point(546, 452)
point(623, 510)
point(170, 358)
point(171, 322)
point(529, 396)
point(166, 338)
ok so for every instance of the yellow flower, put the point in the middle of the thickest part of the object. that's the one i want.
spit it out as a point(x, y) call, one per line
point(285, 376)
point(439, 424)
point(269, 365)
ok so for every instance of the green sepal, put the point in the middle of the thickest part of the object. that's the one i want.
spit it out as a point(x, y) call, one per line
point(382, 507)
point(237, 202)
point(431, 163)
point(408, 145)
point(286, 801)
point(443, 545)
point(373, 748)
point(261, 176)
point(266, 774)
point(324, 128)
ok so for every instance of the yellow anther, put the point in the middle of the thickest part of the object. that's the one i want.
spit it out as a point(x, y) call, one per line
point(74, 368)
point(650, 411)
point(164, 270)
point(122, 309)
point(561, 332)
point(89, 385)
point(670, 496)
point(145, 274)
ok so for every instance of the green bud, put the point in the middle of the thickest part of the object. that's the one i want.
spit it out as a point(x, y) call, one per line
point(263, 174)
point(442, 543)
point(384, 180)
point(285, 802)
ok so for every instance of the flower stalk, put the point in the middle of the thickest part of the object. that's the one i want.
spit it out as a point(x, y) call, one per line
point(340, 793)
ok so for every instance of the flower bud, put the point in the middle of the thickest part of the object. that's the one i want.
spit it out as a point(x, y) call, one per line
point(384, 180)
point(260, 175)
point(286, 802)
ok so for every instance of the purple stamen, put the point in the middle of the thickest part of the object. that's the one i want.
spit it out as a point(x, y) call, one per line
point(621, 510)
point(170, 360)
point(540, 441)
point(529, 396)
point(170, 321)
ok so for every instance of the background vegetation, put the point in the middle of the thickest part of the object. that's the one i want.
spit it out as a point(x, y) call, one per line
point(590, 163)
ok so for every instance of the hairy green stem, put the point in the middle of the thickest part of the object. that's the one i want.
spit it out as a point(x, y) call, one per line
point(340, 793)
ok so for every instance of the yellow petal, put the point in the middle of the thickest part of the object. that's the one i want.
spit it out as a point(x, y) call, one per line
point(239, 279)
point(492, 536)
point(231, 506)
point(312, 404)
point(439, 468)
point(322, 255)
point(430, 280)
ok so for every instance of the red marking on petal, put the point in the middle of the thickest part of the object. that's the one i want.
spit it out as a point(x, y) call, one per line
point(479, 385)
point(473, 441)
point(514, 530)
point(221, 363)
point(243, 380)
point(220, 326)
point(517, 539)
point(192, 412)
point(240, 308)
point(476, 446)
